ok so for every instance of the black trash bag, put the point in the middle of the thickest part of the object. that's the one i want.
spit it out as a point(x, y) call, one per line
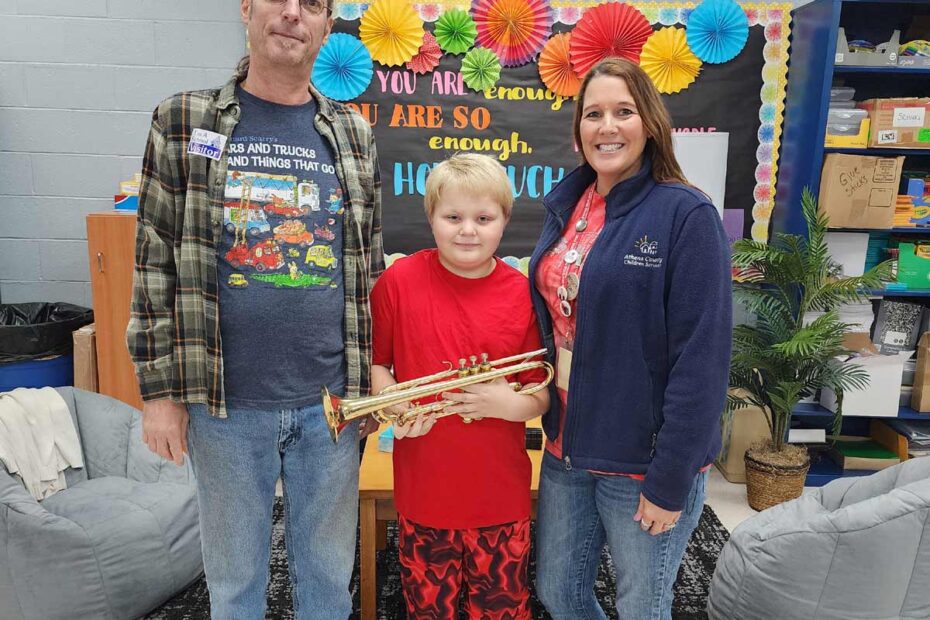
point(39, 329)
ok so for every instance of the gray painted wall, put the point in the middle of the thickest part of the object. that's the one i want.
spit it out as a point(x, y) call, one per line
point(78, 82)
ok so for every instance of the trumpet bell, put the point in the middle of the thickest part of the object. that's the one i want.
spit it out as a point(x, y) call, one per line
point(331, 412)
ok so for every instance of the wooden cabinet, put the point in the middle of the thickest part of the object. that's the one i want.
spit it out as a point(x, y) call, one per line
point(111, 246)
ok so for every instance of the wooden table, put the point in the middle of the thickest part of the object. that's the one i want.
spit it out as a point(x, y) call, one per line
point(376, 508)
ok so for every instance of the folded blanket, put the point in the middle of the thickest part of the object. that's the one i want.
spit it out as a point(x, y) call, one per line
point(38, 440)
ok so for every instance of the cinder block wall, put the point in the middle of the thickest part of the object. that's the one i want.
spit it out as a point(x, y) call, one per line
point(78, 82)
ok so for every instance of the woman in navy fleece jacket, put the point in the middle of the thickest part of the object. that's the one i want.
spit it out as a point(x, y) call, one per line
point(631, 284)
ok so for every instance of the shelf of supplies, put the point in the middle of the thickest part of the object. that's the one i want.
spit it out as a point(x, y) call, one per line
point(814, 410)
point(825, 470)
point(904, 293)
point(878, 152)
point(909, 230)
point(888, 69)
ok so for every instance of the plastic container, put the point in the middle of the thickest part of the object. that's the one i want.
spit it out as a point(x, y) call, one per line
point(843, 105)
point(845, 122)
point(839, 129)
point(841, 116)
point(54, 372)
point(842, 93)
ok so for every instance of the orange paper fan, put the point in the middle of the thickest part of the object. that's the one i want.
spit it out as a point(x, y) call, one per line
point(605, 30)
point(427, 57)
point(515, 30)
point(555, 67)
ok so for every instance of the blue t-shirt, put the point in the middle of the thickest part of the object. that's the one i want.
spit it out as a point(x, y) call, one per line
point(282, 300)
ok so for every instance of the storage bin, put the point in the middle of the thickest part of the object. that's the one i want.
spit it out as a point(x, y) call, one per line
point(841, 93)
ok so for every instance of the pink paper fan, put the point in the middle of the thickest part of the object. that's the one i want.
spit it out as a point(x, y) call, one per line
point(427, 56)
point(605, 30)
point(515, 30)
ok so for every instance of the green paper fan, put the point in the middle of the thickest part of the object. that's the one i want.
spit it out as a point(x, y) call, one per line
point(481, 68)
point(455, 31)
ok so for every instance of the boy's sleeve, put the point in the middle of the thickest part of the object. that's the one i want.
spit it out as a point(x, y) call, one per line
point(382, 319)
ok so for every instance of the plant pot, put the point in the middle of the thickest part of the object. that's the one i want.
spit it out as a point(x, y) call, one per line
point(768, 484)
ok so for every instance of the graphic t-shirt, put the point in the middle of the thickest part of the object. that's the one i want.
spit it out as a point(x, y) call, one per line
point(425, 318)
point(280, 260)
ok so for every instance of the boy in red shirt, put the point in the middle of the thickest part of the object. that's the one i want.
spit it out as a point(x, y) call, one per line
point(462, 491)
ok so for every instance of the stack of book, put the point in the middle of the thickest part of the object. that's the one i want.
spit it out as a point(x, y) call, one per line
point(862, 454)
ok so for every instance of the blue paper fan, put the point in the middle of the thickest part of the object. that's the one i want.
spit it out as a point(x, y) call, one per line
point(343, 68)
point(717, 30)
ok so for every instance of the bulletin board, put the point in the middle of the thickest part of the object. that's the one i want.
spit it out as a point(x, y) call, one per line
point(430, 101)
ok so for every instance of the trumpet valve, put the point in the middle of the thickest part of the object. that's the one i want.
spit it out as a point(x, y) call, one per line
point(485, 364)
point(473, 368)
point(463, 367)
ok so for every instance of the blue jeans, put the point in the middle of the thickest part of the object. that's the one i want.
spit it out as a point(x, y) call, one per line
point(237, 462)
point(578, 513)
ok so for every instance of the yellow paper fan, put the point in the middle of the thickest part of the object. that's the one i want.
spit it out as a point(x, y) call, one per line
point(668, 60)
point(392, 31)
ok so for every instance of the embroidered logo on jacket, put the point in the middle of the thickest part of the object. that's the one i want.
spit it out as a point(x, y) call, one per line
point(646, 256)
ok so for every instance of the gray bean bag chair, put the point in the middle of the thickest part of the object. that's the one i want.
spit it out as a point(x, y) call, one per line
point(118, 542)
point(857, 548)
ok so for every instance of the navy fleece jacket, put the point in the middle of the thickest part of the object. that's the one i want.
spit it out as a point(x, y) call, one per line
point(653, 334)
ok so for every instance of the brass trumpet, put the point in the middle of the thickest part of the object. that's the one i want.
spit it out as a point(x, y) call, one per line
point(341, 411)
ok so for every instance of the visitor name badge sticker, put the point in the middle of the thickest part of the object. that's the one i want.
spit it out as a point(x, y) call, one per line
point(207, 143)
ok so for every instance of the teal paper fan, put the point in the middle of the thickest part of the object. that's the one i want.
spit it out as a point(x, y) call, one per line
point(343, 68)
point(717, 30)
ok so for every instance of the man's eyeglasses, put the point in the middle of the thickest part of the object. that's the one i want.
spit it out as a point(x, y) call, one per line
point(313, 7)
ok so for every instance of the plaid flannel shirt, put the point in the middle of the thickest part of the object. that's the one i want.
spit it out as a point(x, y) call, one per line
point(173, 334)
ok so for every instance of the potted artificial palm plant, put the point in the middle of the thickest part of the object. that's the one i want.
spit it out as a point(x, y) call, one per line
point(794, 346)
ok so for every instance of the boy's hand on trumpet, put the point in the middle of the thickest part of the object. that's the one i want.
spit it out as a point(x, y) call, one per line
point(416, 428)
point(496, 399)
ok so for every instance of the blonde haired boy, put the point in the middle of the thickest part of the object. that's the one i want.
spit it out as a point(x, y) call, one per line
point(462, 490)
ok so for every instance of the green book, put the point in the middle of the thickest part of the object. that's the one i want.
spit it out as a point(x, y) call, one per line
point(865, 455)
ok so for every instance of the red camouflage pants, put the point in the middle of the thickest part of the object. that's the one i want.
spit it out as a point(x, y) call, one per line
point(489, 564)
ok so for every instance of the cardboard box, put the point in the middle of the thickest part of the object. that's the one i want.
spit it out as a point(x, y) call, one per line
point(914, 264)
point(85, 358)
point(881, 397)
point(899, 122)
point(749, 426)
point(858, 191)
point(920, 398)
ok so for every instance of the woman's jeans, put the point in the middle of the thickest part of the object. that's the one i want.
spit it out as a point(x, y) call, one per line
point(237, 462)
point(578, 512)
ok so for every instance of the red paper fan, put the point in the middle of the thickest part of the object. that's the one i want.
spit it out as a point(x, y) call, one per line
point(515, 30)
point(555, 68)
point(610, 29)
point(427, 56)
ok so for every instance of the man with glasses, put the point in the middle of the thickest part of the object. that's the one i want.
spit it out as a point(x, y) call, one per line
point(235, 325)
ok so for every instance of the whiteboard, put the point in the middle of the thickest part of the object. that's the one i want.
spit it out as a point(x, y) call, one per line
point(703, 159)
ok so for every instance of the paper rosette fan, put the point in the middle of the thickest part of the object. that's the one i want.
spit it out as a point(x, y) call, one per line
point(427, 56)
point(342, 70)
point(392, 31)
point(717, 30)
point(455, 31)
point(555, 67)
point(481, 68)
point(611, 29)
point(514, 29)
point(668, 60)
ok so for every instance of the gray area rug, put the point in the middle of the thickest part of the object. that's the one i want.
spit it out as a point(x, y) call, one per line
point(690, 589)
